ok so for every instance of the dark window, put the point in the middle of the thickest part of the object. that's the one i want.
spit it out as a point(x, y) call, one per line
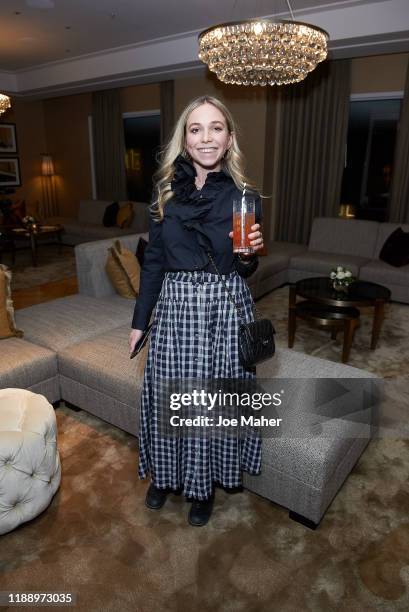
point(142, 141)
point(369, 160)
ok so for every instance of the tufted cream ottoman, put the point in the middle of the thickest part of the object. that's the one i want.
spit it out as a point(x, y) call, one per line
point(30, 471)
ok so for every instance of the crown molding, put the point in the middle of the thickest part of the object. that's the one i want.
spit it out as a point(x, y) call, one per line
point(8, 81)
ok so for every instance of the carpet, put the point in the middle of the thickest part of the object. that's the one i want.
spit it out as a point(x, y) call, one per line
point(98, 540)
point(51, 266)
point(389, 360)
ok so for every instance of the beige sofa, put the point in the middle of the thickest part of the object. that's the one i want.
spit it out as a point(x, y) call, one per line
point(333, 241)
point(88, 224)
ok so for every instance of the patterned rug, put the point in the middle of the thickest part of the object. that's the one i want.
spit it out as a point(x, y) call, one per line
point(51, 266)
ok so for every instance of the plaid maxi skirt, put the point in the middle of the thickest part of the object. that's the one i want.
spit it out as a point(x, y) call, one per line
point(195, 336)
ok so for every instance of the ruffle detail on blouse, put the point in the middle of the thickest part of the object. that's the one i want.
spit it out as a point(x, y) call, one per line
point(192, 205)
point(184, 187)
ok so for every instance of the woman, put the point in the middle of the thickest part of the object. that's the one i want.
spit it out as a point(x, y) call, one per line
point(195, 327)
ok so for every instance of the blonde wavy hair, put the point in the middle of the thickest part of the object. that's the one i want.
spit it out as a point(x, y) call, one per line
point(233, 161)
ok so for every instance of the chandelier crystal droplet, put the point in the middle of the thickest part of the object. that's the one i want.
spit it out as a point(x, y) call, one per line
point(5, 103)
point(263, 52)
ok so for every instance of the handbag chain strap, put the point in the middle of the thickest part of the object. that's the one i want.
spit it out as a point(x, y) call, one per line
point(256, 312)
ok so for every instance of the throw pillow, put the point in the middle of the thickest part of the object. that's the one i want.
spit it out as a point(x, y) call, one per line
point(123, 270)
point(110, 214)
point(7, 323)
point(395, 250)
point(140, 250)
point(125, 215)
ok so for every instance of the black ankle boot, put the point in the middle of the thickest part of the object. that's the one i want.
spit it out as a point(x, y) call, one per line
point(155, 498)
point(201, 511)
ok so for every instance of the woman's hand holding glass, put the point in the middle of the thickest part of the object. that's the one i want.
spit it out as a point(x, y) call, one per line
point(256, 240)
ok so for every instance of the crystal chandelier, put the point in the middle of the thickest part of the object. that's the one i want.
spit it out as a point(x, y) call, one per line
point(5, 103)
point(263, 51)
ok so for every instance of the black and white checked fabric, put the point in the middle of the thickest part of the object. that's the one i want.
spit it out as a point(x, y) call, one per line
point(195, 336)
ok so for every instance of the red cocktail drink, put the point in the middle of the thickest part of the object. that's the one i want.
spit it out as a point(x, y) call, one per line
point(243, 218)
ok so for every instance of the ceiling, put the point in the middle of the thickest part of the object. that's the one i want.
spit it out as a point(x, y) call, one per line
point(48, 45)
point(39, 35)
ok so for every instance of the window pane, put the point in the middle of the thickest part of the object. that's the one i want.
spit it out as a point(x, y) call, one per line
point(142, 141)
point(370, 149)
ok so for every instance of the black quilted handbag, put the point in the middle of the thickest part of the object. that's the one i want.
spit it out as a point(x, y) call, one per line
point(256, 342)
point(256, 339)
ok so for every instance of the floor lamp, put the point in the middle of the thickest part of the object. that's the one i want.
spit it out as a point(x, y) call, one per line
point(50, 206)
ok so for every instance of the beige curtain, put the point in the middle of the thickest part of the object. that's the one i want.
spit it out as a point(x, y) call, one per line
point(109, 145)
point(314, 124)
point(167, 110)
point(399, 203)
point(270, 161)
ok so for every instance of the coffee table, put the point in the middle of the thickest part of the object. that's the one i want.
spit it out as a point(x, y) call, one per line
point(34, 236)
point(326, 306)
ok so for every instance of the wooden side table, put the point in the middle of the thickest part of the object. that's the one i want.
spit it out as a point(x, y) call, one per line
point(34, 236)
point(345, 319)
point(320, 290)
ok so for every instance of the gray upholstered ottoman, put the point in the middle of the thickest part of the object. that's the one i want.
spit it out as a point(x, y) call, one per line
point(305, 464)
point(98, 376)
point(65, 321)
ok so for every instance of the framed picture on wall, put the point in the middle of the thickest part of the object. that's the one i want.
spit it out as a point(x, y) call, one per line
point(8, 140)
point(9, 172)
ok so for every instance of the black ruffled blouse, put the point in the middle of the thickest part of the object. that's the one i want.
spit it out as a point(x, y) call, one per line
point(195, 221)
